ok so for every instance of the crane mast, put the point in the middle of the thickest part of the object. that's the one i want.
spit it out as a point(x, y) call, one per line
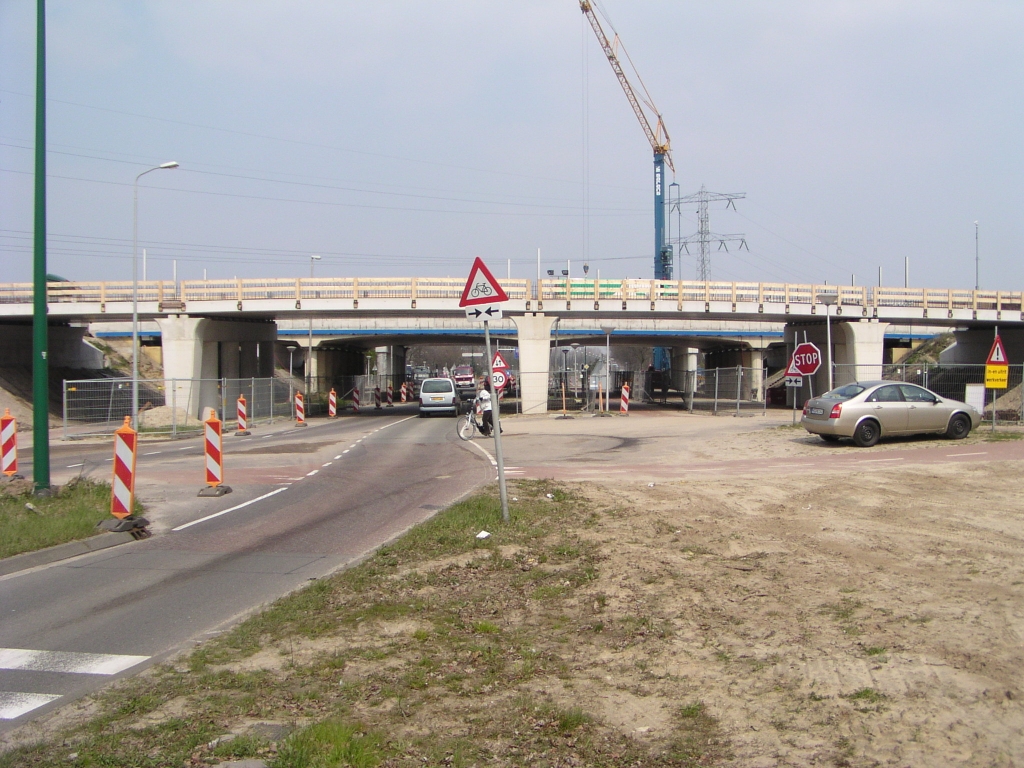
point(657, 136)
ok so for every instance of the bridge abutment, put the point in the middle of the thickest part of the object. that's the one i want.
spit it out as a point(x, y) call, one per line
point(198, 353)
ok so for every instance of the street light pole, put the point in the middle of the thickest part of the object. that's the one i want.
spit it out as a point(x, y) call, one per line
point(135, 289)
point(828, 299)
point(309, 351)
point(607, 363)
point(976, 263)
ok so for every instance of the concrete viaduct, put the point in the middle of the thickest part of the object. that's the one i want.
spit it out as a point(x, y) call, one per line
point(229, 328)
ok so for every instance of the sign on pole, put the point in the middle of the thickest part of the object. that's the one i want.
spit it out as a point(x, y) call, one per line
point(482, 292)
point(997, 366)
point(794, 381)
point(806, 360)
point(499, 379)
point(499, 362)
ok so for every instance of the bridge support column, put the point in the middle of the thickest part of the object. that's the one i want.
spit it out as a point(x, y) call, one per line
point(754, 360)
point(859, 349)
point(534, 332)
point(684, 367)
point(198, 352)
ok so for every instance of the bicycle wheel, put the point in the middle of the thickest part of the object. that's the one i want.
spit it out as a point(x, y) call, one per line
point(466, 427)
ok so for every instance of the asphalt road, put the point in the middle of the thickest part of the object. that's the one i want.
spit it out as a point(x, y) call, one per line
point(305, 503)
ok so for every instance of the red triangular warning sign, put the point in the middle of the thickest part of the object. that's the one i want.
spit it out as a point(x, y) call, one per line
point(997, 355)
point(499, 362)
point(791, 369)
point(481, 287)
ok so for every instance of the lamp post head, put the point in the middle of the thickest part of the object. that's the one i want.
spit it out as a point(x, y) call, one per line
point(828, 298)
point(171, 164)
point(314, 258)
point(607, 329)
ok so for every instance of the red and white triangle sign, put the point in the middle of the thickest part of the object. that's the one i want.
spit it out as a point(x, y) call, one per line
point(791, 369)
point(481, 287)
point(997, 355)
point(499, 362)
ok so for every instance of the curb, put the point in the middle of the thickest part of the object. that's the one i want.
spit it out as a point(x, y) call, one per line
point(49, 555)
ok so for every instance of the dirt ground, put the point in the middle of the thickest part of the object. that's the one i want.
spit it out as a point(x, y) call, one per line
point(847, 617)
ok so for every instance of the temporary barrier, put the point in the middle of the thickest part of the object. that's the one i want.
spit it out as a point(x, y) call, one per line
point(403, 395)
point(213, 448)
point(300, 410)
point(376, 397)
point(624, 399)
point(243, 417)
point(391, 396)
point(355, 400)
point(122, 495)
point(9, 442)
point(332, 404)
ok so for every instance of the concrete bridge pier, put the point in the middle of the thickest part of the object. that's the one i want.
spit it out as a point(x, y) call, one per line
point(973, 346)
point(534, 333)
point(198, 353)
point(684, 364)
point(858, 349)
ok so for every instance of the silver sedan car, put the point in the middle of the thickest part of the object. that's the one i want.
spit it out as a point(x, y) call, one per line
point(869, 410)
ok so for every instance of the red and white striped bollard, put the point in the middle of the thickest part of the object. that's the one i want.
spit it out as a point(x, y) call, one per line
point(391, 396)
point(243, 417)
point(300, 410)
point(355, 400)
point(332, 404)
point(403, 393)
point(9, 444)
point(122, 487)
point(213, 450)
point(376, 397)
point(624, 400)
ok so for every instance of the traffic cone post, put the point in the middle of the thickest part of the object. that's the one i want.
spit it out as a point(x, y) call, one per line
point(403, 393)
point(391, 396)
point(332, 404)
point(300, 410)
point(213, 450)
point(624, 400)
point(122, 496)
point(376, 397)
point(9, 445)
point(243, 417)
point(355, 400)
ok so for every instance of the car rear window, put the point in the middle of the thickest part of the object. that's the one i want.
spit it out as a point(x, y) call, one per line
point(844, 393)
point(436, 385)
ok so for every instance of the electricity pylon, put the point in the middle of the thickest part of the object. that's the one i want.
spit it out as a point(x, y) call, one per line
point(704, 236)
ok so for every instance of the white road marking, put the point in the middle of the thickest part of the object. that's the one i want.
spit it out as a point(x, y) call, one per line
point(872, 461)
point(13, 704)
point(110, 459)
point(72, 466)
point(67, 661)
point(490, 458)
point(310, 474)
point(154, 453)
point(344, 452)
point(337, 457)
point(186, 448)
point(229, 509)
point(267, 437)
point(976, 453)
point(327, 464)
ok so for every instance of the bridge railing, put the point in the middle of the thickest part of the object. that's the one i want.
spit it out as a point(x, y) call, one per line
point(355, 288)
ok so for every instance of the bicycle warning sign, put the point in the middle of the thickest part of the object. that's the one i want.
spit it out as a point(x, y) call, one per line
point(481, 287)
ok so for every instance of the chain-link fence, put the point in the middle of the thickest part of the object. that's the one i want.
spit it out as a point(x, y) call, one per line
point(178, 406)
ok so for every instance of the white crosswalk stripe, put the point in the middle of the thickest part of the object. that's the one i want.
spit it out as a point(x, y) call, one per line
point(14, 704)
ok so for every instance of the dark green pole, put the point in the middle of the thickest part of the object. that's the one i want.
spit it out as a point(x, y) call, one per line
point(40, 365)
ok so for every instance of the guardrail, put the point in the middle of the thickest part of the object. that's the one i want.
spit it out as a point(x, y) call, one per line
point(171, 294)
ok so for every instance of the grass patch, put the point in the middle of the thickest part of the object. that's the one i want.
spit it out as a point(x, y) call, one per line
point(997, 437)
point(69, 515)
point(435, 650)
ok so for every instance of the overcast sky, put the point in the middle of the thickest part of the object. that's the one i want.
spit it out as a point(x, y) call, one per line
point(404, 138)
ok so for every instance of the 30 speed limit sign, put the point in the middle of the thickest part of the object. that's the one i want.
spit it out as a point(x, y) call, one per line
point(498, 379)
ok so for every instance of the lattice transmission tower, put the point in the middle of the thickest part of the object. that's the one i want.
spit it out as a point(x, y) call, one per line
point(704, 237)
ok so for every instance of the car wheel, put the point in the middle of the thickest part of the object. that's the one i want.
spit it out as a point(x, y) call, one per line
point(867, 433)
point(830, 438)
point(959, 427)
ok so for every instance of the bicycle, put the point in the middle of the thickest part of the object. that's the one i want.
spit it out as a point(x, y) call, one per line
point(467, 425)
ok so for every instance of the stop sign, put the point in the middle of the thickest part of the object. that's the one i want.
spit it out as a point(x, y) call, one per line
point(806, 359)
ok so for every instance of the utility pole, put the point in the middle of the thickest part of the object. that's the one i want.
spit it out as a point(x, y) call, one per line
point(40, 331)
point(977, 284)
point(704, 236)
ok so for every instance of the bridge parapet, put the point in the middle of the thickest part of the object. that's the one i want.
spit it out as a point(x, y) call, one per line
point(167, 297)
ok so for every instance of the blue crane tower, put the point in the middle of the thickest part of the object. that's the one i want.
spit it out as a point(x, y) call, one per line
point(660, 143)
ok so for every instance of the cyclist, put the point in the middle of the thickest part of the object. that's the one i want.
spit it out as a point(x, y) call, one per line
point(483, 400)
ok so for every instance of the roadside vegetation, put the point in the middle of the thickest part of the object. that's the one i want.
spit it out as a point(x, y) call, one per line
point(28, 523)
point(441, 650)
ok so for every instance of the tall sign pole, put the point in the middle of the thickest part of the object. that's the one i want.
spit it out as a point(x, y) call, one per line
point(40, 365)
point(482, 298)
